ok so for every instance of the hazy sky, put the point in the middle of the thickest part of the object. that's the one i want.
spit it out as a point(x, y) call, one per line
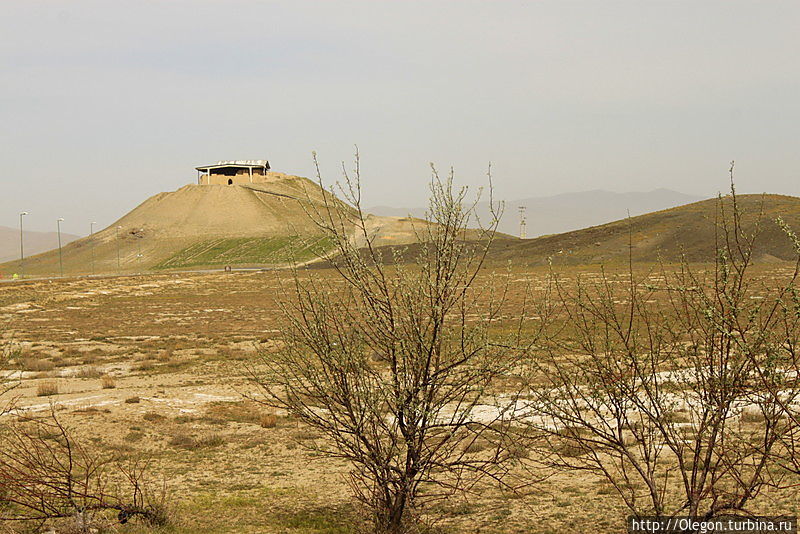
point(104, 104)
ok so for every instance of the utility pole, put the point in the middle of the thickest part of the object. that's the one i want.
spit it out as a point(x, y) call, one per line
point(60, 255)
point(139, 243)
point(21, 247)
point(523, 222)
point(91, 242)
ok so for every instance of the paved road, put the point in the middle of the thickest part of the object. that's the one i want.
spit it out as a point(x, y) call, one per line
point(131, 275)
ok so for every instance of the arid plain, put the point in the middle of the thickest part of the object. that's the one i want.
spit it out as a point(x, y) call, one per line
point(156, 366)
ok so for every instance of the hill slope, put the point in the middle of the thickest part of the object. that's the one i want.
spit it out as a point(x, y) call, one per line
point(667, 234)
point(209, 226)
point(568, 211)
point(35, 242)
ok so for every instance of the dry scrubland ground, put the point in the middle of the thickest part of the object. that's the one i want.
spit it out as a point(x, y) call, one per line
point(156, 365)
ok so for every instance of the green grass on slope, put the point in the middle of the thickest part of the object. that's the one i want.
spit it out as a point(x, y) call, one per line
point(248, 250)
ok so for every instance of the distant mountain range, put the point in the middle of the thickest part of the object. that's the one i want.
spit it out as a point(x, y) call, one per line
point(568, 211)
point(35, 242)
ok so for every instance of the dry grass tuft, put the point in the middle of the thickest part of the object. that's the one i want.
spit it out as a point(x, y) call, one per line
point(36, 364)
point(89, 358)
point(108, 382)
point(88, 372)
point(235, 412)
point(58, 361)
point(145, 366)
point(476, 445)
point(752, 417)
point(268, 421)
point(91, 410)
point(47, 389)
point(306, 434)
point(185, 441)
point(153, 417)
point(133, 436)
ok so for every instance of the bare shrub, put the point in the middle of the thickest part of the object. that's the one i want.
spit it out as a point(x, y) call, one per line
point(672, 385)
point(46, 474)
point(9, 353)
point(786, 365)
point(404, 420)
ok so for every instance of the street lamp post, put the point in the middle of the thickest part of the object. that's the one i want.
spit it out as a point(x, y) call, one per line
point(139, 256)
point(21, 247)
point(91, 242)
point(60, 255)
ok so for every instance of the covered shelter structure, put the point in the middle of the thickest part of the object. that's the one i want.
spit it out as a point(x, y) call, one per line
point(233, 172)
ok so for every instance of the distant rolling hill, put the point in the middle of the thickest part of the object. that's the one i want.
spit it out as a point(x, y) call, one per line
point(667, 234)
point(568, 211)
point(35, 242)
